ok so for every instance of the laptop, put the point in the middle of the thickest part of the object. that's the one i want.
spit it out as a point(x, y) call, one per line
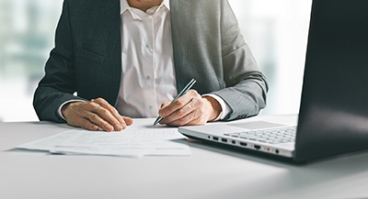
point(333, 114)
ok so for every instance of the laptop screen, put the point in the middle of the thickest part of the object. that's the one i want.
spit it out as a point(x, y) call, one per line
point(333, 117)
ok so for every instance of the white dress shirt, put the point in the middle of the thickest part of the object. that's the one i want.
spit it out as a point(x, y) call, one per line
point(148, 76)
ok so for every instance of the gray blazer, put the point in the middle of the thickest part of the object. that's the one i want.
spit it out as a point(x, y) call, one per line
point(207, 44)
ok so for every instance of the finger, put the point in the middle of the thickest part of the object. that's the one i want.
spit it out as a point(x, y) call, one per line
point(185, 120)
point(128, 120)
point(83, 123)
point(180, 113)
point(163, 105)
point(87, 124)
point(193, 118)
point(178, 104)
point(110, 108)
point(100, 122)
point(106, 116)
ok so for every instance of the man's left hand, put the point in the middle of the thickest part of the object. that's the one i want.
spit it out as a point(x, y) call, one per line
point(190, 109)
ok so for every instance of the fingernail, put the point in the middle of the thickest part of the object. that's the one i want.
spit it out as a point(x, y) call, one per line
point(109, 128)
point(118, 127)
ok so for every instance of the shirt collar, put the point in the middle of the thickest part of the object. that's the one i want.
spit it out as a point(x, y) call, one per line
point(125, 6)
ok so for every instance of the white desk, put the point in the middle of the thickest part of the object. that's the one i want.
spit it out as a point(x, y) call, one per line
point(209, 173)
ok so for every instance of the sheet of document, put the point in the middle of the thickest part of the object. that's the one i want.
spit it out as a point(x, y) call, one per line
point(130, 143)
point(46, 144)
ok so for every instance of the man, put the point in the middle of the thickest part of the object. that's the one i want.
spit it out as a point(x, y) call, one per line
point(118, 59)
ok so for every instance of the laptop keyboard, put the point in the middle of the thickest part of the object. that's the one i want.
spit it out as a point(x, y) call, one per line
point(271, 136)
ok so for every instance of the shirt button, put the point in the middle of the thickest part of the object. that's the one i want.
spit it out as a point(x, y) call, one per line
point(149, 49)
point(150, 107)
point(148, 77)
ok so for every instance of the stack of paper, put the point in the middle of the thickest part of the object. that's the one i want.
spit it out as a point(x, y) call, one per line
point(129, 143)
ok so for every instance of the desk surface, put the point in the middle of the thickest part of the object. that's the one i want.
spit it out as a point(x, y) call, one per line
point(210, 172)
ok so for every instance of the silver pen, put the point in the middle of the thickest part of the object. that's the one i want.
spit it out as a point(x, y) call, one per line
point(182, 92)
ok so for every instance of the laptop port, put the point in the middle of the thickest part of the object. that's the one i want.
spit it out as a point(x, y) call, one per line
point(257, 147)
point(277, 151)
point(215, 138)
point(243, 144)
point(233, 141)
point(224, 140)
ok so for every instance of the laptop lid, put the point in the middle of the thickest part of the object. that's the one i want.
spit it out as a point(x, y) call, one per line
point(333, 117)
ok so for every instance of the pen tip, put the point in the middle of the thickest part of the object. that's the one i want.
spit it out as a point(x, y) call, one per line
point(156, 121)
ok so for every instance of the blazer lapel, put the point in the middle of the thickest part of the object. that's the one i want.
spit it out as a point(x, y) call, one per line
point(111, 23)
point(179, 37)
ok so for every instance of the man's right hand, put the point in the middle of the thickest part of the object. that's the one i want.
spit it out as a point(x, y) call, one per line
point(94, 115)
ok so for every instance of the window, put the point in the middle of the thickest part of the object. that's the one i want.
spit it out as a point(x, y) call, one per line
point(26, 38)
point(277, 31)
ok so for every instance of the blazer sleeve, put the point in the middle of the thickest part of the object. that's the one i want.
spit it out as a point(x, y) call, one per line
point(58, 84)
point(246, 86)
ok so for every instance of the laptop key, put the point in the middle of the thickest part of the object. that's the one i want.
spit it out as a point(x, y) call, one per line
point(272, 136)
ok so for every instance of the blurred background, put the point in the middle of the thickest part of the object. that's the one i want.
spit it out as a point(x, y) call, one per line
point(275, 30)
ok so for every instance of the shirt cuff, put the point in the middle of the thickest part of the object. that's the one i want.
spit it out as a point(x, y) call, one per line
point(62, 105)
point(225, 108)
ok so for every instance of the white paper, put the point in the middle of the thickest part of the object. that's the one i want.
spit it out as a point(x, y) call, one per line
point(130, 143)
point(46, 144)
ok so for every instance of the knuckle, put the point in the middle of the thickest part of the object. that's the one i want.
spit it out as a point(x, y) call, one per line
point(103, 111)
point(181, 112)
point(99, 99)
point(161, 113)
point(113, 110)
point(178, 103)
point(90, 127)
point(193, 101)
point(193, 92)
point(94, 117)
point(93, 104)
point(104, 125)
